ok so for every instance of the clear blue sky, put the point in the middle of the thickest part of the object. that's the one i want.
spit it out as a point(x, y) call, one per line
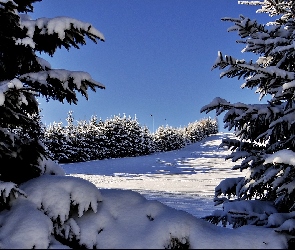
point(156, 59)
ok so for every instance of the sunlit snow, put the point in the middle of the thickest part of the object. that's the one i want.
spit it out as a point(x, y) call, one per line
point(135, 203)
point(183, 180)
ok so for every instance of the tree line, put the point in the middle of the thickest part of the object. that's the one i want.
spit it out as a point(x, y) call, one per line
point(118, 136)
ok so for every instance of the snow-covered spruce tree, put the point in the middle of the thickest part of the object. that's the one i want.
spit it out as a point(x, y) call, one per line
point(147, 145)
point(96, 138)
point(209, 126)
point(198, 130)
point(139, 137)
point(265, 133)
point(167, 138)
point(75, 140)
point(25, 76)
point(83, 143)
point(125, 137)
point(56, 142)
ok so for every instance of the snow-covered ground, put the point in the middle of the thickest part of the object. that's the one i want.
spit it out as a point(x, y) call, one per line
point(183, 179)
point(111, 213)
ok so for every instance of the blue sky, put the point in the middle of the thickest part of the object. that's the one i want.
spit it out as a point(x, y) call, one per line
point(156, 59)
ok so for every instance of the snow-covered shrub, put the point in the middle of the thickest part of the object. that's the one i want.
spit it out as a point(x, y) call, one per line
point(266, 129)
point(61, 198)
point(167, 138)
point(40, 212)
point(62, 212)
point(23, 226)
point(56, 142)
point(198, 130)
point(125, 137)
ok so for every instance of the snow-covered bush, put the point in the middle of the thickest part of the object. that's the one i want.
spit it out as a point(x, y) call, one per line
point(57, 142)
point(62, 212)
point(40, 213)
point(198, 130)
point(167, 138)
point(126, 137)
point(262, 130)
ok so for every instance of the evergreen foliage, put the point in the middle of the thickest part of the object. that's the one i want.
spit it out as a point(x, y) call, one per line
point(167, 138)
point(125, 137)
point(118, 136)
point(262, 130)
point(24, 76)
point(198, 130)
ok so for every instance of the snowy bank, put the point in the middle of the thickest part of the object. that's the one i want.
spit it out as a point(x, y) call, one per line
point(123, 219)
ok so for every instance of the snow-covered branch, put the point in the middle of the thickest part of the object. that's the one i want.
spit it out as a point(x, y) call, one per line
point(60, 31)
point(60, 83)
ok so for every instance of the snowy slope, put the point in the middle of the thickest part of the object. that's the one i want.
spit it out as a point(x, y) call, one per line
point(183, 179)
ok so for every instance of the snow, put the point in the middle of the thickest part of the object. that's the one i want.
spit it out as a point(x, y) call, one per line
point(50, 167)
point(62, 75)
point(285, 156)
point(150, 224)
point(287, 226)
point(45, 64)
point(8, 188)
point(226, 184)
point(2, 98)
point(55, 195)
point(276, 220)
point(134, 202)
point(184, 180)
point(26, 41)
point(288, 85)
point(6, 1)
point(15, 83)
point(193, 170)
point(253, 208)
point(24, 226)
point(58, 25)
point(12, 84)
